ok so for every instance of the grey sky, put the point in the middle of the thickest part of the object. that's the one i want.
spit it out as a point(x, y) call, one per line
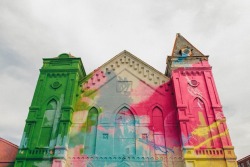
point(98, 30)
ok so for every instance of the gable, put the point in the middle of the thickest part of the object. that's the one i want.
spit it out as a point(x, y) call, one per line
point(181, 44)
point(127, 88)
point(121, 62)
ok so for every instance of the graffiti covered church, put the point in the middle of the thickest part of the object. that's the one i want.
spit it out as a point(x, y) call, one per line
point(127, 114)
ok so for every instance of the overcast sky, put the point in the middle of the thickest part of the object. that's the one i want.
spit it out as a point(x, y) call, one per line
point(97, 30)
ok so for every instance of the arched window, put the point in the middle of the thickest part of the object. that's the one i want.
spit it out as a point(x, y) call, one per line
point(202, 130)
point(47, 124)
point(158, 126)
point(124, 143)
point(200, 112)
point(92, 122)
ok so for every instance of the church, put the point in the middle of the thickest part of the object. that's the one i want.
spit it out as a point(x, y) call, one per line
point(127, 114)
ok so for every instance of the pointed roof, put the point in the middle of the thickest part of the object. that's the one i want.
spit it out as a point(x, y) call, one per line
point(184, 47)
point(125, 61)
point(132, 59)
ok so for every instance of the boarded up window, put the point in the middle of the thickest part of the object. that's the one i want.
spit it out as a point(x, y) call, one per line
point(92, 122)
point(47, 125)
point(159, 138)
point(124, 133)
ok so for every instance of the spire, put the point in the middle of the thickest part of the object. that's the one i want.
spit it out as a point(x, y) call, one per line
point(183, 48)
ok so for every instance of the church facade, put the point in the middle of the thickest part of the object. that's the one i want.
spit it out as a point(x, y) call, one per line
point(126, 114)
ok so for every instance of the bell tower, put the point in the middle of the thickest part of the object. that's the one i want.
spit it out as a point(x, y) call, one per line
point(45, 136)
point(204, 134)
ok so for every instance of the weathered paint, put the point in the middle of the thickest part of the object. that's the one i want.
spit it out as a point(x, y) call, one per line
point(126, 113)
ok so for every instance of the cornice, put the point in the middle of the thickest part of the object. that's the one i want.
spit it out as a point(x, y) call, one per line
point(122, 61)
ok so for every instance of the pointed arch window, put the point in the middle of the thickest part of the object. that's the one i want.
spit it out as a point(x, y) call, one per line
point(158, 128)
point(92, 122)
point(47, 124)
point(200, 112)
point(201, 120)
point(124, 143)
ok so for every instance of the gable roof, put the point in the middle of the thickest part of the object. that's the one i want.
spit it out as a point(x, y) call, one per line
point(181, 43)
point(143, 71)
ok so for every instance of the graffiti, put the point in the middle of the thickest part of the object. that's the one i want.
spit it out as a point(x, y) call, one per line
point(185, 139)
point(225, 133)
point(125, 116)
point(201, 131)
point(219, 116)
point(123, 85)
point(186, 51)
point(194, 91)
point(163, 149)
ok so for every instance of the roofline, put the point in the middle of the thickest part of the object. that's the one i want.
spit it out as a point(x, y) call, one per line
point(125, 51)
point(244, 158)
point(8, 142)
point(179, 35)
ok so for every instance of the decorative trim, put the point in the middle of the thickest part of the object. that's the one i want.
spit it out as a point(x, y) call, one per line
point(193, 83)
point(56, 85)
point(119, 158)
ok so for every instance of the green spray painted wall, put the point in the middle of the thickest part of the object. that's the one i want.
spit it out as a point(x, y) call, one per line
point(50, 113)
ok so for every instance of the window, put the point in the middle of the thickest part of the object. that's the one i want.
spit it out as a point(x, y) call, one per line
point(158, 126)
point(124, 143)
point(201, 118)
point(92, 122)
point(47, 125)
point(105, 136)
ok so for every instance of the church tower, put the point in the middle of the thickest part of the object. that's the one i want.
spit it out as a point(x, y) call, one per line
point(45, 136)
point(204, 133)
